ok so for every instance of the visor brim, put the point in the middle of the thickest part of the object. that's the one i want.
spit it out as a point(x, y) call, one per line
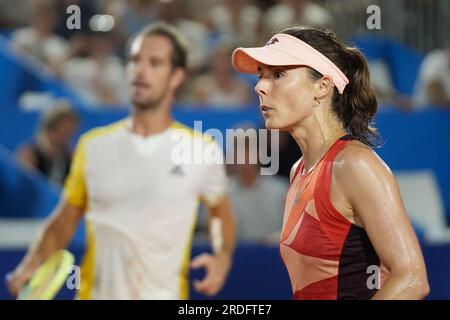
point(247, 60)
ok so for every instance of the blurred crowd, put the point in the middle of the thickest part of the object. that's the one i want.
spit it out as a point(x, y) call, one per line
point(93, 58)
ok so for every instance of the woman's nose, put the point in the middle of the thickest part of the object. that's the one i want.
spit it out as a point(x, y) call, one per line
point(260, 87)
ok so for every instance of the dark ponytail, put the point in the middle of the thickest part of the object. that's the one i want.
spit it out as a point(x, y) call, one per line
point(357, 106)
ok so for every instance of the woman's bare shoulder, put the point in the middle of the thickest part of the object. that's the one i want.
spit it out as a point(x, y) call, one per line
point(356, 158)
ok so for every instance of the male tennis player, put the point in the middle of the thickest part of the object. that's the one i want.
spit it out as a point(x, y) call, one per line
point(141, 206)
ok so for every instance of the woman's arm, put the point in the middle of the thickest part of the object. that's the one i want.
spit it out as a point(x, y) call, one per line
point(372, 192)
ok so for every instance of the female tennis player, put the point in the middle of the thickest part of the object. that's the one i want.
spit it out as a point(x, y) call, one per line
point(345, 234)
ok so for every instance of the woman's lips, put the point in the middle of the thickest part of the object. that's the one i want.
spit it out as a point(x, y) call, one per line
point(265, 109)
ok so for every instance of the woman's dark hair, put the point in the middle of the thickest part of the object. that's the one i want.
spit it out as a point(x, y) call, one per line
point(357, 106)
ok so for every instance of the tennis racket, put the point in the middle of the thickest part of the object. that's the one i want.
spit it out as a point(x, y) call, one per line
point(48, 278)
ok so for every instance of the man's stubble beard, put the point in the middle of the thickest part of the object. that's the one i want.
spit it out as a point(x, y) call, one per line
point(150, 104)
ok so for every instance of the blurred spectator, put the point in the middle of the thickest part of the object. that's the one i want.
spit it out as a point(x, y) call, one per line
point(171, 11)
point(49, 153)
point(259, 216)
point(236, 20)
point(40, 40)
point(433, 84)
point(132, 15)
point(294, 12)
point(387, 95)
point(221, 87)
point(100, 77)
point(12, 13)
point(381, 79)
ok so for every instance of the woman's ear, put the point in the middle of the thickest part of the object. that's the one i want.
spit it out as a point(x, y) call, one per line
point(178, 77)
point(324, 86)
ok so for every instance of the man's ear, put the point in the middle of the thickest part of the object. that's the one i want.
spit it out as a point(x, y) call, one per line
point(324, 86)
point(178, 77)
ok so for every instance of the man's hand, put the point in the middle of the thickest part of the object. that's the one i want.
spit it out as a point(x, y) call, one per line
point(56, 234)
point(17, 279)
point(217, 268)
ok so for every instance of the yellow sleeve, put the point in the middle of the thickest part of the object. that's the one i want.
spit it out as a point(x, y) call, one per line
point(75, 184)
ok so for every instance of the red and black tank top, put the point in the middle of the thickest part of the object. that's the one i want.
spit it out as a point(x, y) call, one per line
point(327, 256)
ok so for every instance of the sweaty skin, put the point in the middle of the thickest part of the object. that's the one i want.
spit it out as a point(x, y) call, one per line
point(364, 188)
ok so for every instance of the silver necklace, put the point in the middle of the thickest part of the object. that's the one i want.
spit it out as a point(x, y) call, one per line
point(311, 173)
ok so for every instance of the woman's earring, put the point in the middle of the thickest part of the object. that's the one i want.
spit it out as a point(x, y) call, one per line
point(317, 102)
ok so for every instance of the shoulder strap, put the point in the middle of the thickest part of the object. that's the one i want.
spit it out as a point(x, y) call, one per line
point(322, 191)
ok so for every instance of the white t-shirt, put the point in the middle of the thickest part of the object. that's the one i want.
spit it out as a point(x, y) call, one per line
point(141, 210)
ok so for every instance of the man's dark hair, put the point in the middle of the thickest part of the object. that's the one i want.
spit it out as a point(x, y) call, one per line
point(178, 41)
